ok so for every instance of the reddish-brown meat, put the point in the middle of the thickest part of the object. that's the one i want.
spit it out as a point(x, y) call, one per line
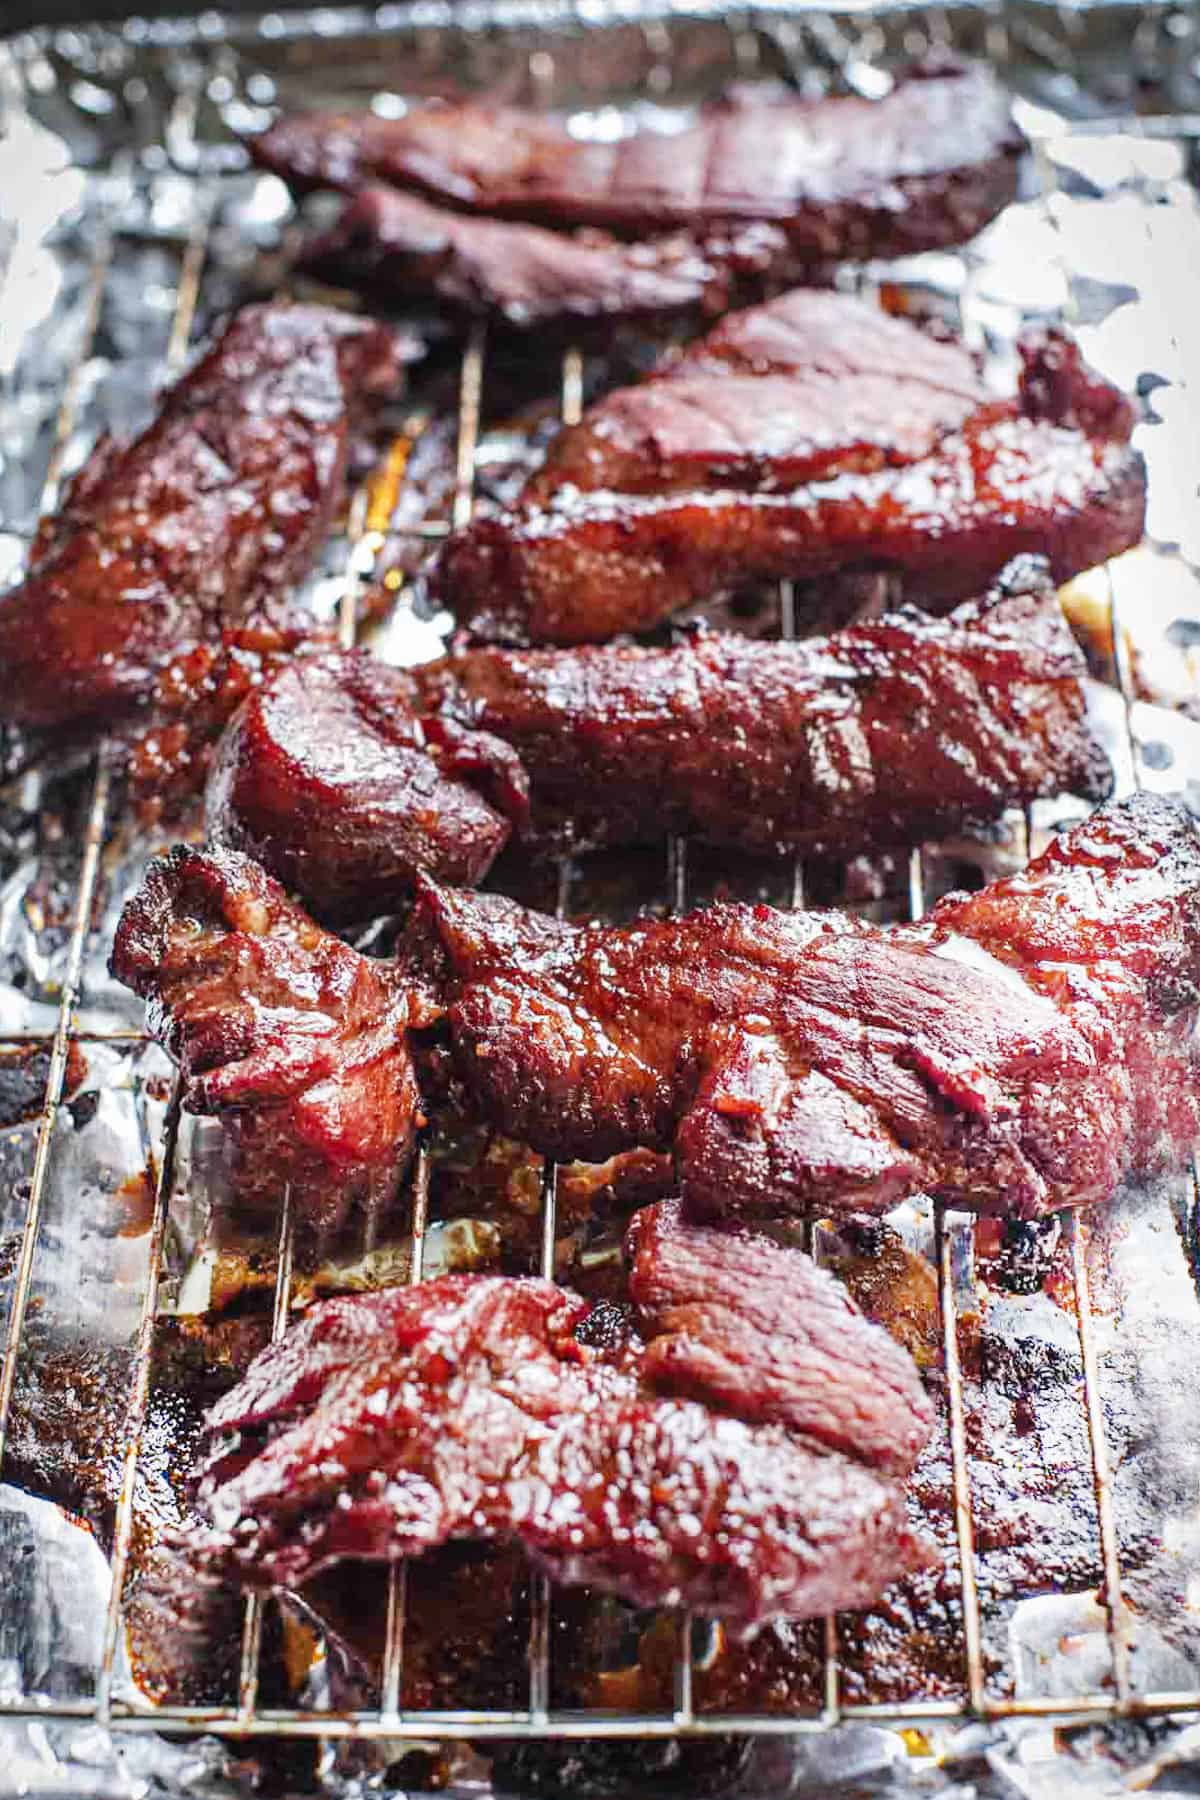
point(1023, 1050)
point(295, 1040)
point(189, 540)
point(405, 249)
point(811, 385)
point(738, 1321)
point(343, 777)
point(327, 776)
point(475, 1407)
point(587, 571)
point(928, 165)
point(882, 734)
point(809, 437)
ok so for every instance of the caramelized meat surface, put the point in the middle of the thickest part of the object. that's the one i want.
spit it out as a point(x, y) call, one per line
point(296, 1041)
point(185, 544)
point(927, 165)
point(739, 1321)
point(810, 385)
point(328, 777)
point(401, 247)
point(384, 1425)
point(1022, 1050)
point(884, 733)
point(811, 437)
point(343, 777)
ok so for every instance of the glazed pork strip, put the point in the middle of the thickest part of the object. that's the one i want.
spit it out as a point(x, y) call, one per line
point(813, 437)
point(288, 1035)
point(926, 166)
point(167, 549)
point(1024, 1049)
point(943, 529)
point(329, 778)
point(885, 733)
point(809, 385)
point(345, 778)
point(400, 247)
point(743, 1460)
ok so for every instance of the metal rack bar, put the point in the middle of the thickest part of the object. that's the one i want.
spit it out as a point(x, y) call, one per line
point(964, 1523)
point(136, 1413)
point(250, 1670)
point(541, 1596)
point(397, 1589)
point(55, 1077)
point(1114, 1600)
point(281, 1721)
point(955, 1399)
point(187, 295)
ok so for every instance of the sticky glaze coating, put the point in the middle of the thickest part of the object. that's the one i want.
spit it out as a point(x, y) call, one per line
point(810, 385)
point(328, 778)
point(789, 446)
point(926, 166)
point(943, 527)
point(344, 777)
point(882, 734)
point(802, 1062)
point(386, 1424)
point(522, 276)
point(195, 533)
point(296, 1041)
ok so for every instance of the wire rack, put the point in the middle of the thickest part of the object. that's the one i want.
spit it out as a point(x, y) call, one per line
point(1114, 1696)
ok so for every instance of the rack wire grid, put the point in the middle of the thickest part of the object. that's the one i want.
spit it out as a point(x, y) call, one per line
point(1051, 42)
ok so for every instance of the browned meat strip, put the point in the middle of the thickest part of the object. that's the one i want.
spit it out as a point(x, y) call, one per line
point(811, 437)
point(327, 776)
point(343, 777)
point(477, 1407)
point(928, 165)
point(186, 543)
point(587, 571)
point(735, 1320)
point(885, 733)
point(295, 1040)
point(802, 1061)
point(402, 248)
point(811, 385)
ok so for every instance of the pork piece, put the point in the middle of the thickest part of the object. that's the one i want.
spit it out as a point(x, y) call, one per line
point(583, 573)
point(811, 437)
point(810, 385)
point(928, 165)
point(343, 777)
point(401, 247)
point(736, 1319)
point(1020, 1051)
point(189, 539)
point(295, 1040)
point(384, 1425)
point(327, 777)
point(882, 734)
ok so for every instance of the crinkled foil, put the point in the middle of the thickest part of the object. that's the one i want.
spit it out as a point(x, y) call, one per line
point(120, 172)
